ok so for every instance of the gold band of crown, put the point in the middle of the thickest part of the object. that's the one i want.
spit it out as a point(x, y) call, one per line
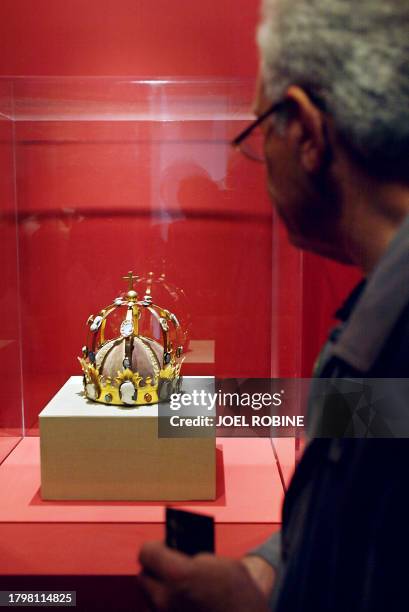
point(127, 387)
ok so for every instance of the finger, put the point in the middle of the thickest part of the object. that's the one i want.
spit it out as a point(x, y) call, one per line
point(155, 591)
point(164, 563)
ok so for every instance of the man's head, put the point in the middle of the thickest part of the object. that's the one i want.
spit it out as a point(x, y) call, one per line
point(342, 66)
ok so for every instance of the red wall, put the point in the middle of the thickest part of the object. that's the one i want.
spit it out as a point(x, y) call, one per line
point(96, 200)
point(326, 284)
point(128, 37)
point(65, 262)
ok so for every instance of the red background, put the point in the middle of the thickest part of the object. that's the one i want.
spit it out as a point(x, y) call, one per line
point(221, 251)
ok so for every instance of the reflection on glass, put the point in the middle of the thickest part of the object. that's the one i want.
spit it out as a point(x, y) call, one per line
point(114, 174)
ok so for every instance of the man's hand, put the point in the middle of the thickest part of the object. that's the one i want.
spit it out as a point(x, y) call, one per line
point(262, 573)
point(204, 583)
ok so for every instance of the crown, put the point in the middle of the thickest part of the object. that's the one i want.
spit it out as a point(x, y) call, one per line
point(132, 369)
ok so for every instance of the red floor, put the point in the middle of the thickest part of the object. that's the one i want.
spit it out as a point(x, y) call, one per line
point(38, 537)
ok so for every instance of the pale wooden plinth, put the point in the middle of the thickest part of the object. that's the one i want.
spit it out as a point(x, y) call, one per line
point(96, 452)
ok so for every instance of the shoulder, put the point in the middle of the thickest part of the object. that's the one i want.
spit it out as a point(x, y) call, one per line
point(393, 359)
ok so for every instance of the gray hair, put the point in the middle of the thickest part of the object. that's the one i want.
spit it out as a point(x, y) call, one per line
point(353, 55)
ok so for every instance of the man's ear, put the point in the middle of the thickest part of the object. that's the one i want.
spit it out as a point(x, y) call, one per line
point(306, 130)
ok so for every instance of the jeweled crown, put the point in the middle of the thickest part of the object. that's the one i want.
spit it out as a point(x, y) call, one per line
point(132, 369)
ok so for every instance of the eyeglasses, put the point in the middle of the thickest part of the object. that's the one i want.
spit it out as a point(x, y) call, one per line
point(251, 140)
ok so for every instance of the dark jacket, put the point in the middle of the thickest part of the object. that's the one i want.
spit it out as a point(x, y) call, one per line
point(344, 544)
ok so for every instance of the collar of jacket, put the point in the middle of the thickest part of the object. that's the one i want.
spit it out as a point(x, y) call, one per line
point(382, 300)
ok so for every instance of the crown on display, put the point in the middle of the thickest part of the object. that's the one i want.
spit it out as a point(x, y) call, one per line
point(132, 369)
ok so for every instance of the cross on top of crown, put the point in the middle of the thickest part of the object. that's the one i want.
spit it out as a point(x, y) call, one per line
point(131, 278)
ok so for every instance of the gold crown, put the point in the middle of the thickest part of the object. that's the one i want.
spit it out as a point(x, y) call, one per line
point(132, 369)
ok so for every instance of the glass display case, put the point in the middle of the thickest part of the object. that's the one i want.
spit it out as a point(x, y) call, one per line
point(105, 175)
point(101, 176)
point(12, 410)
